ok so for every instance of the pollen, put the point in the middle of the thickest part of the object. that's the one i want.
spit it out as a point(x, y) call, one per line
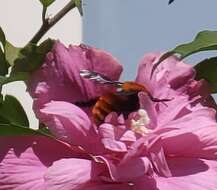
point(139, 125)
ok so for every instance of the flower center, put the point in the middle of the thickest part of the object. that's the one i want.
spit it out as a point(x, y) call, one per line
point(139, 125)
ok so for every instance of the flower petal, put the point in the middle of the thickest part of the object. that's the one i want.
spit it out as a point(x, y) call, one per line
point(72, 173)
point(201, 117)
point(129, 136)
point(108, 133)
point(107, 130)
point(115, 186)
point(113, 145)
point(172, 110)
point(69, 123)
point(190, 174)
point(59, 77)
point(137, 184)
point(138, 166)
point(200, 142)
point(25, 159)
point(164, 75)
point(158, 157)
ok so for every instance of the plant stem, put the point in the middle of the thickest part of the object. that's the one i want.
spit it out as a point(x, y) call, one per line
point(49, 22)
point(44, 14)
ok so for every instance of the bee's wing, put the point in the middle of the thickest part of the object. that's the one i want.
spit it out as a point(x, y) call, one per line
point(97, 77)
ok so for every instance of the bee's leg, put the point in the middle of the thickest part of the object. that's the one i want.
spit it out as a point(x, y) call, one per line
point(160, 100)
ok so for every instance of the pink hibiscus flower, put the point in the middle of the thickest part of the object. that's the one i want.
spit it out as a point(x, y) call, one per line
point(169, 145)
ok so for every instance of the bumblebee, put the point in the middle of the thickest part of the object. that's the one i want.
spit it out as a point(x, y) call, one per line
point(123, 100)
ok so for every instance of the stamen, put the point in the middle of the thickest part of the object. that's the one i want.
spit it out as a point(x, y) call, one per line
point(139, 126)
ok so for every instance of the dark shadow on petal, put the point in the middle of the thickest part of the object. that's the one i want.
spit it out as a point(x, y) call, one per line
point(18, 146)
point(186, 166)
point(47, 150)
point(183, 143)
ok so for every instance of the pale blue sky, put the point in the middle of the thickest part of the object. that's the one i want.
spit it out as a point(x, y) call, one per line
point(129, 30)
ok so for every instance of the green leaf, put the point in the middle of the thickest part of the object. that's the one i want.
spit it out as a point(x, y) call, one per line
point(204, 41)
point(16, 130)
point(18, 76)
point(32, 56)
point(11, 53)
point(78, 4)
point(8, 129)
point(46, 3)
point(12, 111)
point(207, 69)
point(3, 64)
point(23, 61)
point(2, 37)
point(45, 130)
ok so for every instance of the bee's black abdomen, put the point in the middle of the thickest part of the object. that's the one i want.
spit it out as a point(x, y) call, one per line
point(88, 103)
